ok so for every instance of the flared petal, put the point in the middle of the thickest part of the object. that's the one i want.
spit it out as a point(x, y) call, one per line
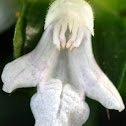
point(56, 104)
point(29, 69)
point(96, 84)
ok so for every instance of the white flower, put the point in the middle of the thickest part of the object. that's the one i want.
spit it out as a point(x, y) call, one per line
point(73, 15)
point(63, 78)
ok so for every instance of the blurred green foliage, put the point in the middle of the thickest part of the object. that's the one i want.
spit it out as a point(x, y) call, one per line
point(29, 26)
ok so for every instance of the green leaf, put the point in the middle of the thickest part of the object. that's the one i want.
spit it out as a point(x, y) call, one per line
point(29, 27)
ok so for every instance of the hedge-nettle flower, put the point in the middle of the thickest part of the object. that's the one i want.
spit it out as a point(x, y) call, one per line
point(63, 78)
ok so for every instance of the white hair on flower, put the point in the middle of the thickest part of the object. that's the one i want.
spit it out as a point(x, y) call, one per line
point(64, 78)
point(73, 14)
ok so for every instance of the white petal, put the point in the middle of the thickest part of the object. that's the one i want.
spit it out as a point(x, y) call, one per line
point(58, 105)
point(45, 103)
point(96, 84)
point(19, 73)
point(29, 69)
point(62, 34)
point(74, 110)
point(79, 37)
point(74, 34)
point(56, 33)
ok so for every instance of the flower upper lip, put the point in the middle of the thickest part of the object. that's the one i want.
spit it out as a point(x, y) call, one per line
point(73, 15)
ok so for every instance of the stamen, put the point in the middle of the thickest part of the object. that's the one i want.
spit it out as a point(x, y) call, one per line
point(63, 44)
point(74, 30)
point(56, 31)
point(58, 47)
point(72, 48)
point(70, 24)
point(62, 34)
point(73, 36)
point(79, 38)
point(69, 43)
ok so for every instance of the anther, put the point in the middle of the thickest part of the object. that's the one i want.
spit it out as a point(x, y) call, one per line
point(58, 47)
point(63, 44)
point(72, 48)
point(69, 43)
